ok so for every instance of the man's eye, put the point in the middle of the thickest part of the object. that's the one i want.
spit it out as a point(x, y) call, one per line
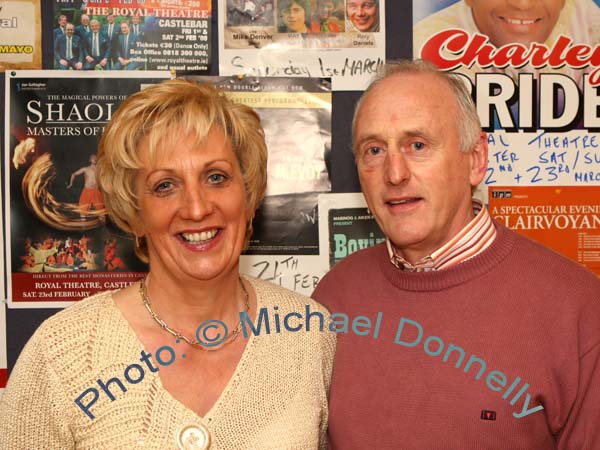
point(374, 151)
point(417, 146)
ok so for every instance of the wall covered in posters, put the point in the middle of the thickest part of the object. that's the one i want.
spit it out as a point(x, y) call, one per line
point(540, 111)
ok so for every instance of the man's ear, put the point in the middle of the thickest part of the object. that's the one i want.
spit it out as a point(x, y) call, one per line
point(478, 160)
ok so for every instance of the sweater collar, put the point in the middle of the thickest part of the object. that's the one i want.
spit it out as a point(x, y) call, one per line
point(459, 274)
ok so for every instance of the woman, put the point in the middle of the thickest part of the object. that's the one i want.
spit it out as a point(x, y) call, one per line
point(183, 170)
point(295, 16)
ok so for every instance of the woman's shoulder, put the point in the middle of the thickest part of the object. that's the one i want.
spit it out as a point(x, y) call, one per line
point(72, 333)
point(79, 316)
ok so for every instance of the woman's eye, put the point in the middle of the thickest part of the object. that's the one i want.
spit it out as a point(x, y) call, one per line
point(163, 186)
point(217, 178)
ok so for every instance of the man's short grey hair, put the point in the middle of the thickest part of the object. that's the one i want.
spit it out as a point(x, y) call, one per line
point(468, 119)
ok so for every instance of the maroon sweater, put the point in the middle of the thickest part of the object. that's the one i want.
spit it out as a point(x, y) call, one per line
point(512, 334)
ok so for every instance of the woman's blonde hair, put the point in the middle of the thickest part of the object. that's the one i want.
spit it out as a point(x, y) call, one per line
point(163, 114)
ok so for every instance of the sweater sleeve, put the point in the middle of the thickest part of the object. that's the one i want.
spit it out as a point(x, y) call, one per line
point(581, 430)
point(328, 344)
point(33, 408)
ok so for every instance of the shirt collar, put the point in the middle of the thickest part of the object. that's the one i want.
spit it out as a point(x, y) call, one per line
point(475, 237)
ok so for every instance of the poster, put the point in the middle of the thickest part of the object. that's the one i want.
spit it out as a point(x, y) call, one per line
point(20, 35)
point(341, 39)
point(3, 359)
point(296, 117)
point(535, 84)
point(60, 245)
point(345, 226)
point(132, 35)
point(564, 218)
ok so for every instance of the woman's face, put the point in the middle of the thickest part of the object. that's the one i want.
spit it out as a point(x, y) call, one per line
point(294, 18)
point(192, 208)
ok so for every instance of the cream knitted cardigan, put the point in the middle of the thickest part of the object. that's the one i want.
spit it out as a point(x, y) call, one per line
point(276, 399)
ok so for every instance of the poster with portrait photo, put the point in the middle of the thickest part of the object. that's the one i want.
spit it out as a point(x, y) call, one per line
point(341, 39)
point(20, 35)
point(60, 245)
point(132, 35)
point(346, 225)
point(296, 116)
point(534, 78)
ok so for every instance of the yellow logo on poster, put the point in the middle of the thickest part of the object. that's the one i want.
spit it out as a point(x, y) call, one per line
point(16, 49)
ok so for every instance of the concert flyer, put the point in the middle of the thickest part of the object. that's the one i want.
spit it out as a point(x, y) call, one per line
point(133, 35)
point(60, 245)
point(323, 38)
point(296, 117)
point(345, 226)
point(563, 218)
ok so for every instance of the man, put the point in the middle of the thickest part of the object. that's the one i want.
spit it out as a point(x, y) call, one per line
point(137, 28)
point(83, 29)
point(363, 15)
point(110, 29)
point(69, 50)
point(460, 334)
point(98, 48)
point(124, 43)
point(90, 197)
point(60, 30)
point(507, 22)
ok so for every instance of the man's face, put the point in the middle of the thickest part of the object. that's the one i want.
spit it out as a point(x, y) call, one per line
point(507, 21)
point(95, 26)
point(85, 20)
point(362, 14)
point(124, 28)
point(326, 8)
point(135, 20)
point(69, 29)
point(110, 19)
point(62, 21)
point(294, 18)
point(416, 180)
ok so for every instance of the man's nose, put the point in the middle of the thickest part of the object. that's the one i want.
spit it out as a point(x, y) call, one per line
point(396, 169)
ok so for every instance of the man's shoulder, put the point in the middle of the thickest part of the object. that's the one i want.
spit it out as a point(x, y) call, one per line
point(365, 259)
point(355, 270)
point(549, 265)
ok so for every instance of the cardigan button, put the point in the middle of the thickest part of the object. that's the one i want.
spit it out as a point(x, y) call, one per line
point(193, 437)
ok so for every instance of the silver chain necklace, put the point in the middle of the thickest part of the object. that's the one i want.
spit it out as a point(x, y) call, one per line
point(232, 336)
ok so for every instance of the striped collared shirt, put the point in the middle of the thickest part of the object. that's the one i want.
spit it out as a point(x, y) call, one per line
point(474, 238)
